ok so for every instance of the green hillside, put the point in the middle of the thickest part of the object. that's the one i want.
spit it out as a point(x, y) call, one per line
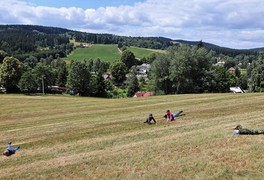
point(58, 41)
point(107, 53)
point(142, 52)
point(63, 137)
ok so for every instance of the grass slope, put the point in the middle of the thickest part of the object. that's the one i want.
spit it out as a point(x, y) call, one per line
point(107, 53)
point(64, 137)
point(143, 52)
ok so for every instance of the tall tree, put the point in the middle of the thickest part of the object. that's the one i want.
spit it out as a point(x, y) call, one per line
point(229, 62)
point(182, 69)
point(256, 74)
point(119, 71)
point(133, 85)
point(128, 58)
point(80, 78)
point(28, 82)
point(61, 71)
point(3, 54)
point(45, 75)
point(98, 86)
point(30, 62)
point(160, 73)
point(200, 44)
point(220, 80)
point(10, 73)
point(100, 66)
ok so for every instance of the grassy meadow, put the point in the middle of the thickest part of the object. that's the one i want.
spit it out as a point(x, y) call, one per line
point(107, 53)
point(143, 52)
point(63, 137)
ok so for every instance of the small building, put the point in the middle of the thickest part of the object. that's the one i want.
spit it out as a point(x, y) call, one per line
point(143, 68)
point(143, 94)
point(236, 90)
point(232, 70)
point(107, 75)
point(2, 89)
point(220, 62)
point(142, 71)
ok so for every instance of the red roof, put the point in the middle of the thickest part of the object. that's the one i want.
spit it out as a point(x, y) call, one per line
point(143, 94)
point(231, 69)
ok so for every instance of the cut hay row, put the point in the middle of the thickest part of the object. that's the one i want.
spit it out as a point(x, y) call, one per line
point(64, 137)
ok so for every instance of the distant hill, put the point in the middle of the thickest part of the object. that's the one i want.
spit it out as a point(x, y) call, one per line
point(36, 28)
point(23, 41)
point(224, 50)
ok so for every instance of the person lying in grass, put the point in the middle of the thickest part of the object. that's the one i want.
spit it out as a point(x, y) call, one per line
point(10, 150)
point(240, 130)
point(171, 116)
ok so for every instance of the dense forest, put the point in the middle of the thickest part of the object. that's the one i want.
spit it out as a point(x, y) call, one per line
point(31, 61)
point(22, 41)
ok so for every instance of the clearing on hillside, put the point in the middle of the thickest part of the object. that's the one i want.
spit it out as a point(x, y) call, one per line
point(108, 53)
point(143, 52)
point(67, 137)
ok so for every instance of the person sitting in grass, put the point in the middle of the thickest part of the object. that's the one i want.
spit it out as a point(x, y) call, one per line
point(240, 130)
point(10, 150)
point(150, 118)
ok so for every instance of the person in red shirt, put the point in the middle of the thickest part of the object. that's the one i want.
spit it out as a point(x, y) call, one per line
point(169, 116)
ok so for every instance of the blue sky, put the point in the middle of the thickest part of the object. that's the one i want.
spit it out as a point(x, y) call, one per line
point(85, 4)
point(230, 23)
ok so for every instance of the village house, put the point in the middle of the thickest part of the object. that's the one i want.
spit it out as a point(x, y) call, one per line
point(220, 62)
point(236, 90)
point(143, 94)
point(107, 75)
point(232, 70)
point(142, 71)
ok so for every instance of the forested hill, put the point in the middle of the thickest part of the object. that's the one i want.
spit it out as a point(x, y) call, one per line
point(222, 50)
point(22, 41)
point(35, 28)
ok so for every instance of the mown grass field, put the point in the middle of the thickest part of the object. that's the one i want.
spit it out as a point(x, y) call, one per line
point(107, 53)
point(143, 52)
point(63, 137)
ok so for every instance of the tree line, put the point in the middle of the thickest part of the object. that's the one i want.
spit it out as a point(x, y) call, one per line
point(35, 53)
point(182, 69)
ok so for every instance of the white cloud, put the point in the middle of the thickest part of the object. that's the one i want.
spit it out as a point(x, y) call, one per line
point(230, 23)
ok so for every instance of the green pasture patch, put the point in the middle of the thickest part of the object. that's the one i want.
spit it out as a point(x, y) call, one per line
point(142, 52)
point(109, 53)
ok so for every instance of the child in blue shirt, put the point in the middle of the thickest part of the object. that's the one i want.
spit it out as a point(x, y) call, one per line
point(10, 150)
